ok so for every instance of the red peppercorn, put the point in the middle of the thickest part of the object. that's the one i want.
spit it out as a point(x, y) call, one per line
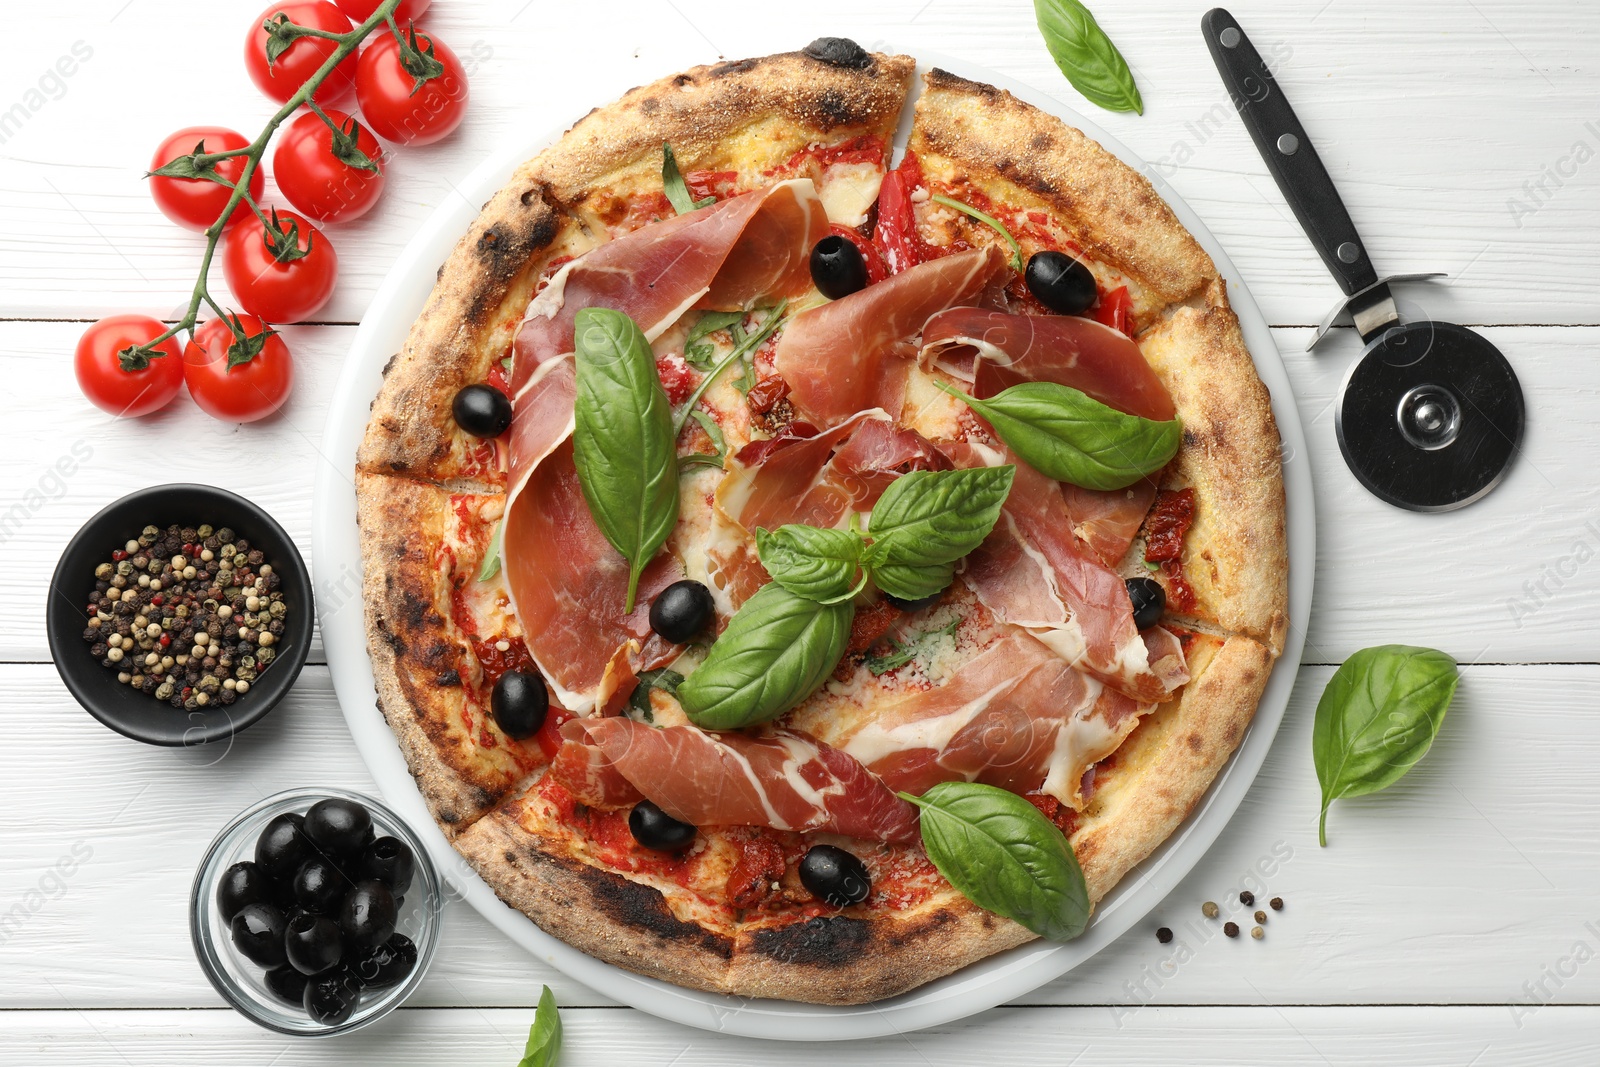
point(164, 640)
point(158, 600)
point(118, 555)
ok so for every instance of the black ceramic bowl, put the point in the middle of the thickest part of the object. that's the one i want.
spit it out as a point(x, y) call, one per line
point(140, 715)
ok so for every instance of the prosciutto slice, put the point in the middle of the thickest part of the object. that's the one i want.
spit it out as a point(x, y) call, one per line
point(1016, 716)
point(1034, 573)
point(567, 583)
point(846, 356)
point(781, 779)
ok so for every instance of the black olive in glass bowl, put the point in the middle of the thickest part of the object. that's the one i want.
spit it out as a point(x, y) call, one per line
point(682, 610)
point(386, 965)
point(519, 703)
point(1061, 283)
point(283, 847)
point(838, 267)
point(312, 943)
point(331, 997)
point(1149, 601)
point(654, 828)
point(319, 886)
point(368, 915)
point(482, 411)
point(243, 883)
point(835, 876)
point(339, 828)
point(257, 932)
point(287, 984)
point(388, 860)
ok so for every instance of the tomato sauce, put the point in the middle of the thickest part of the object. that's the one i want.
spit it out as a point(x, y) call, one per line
point(1169, 522)
point(1065, 819)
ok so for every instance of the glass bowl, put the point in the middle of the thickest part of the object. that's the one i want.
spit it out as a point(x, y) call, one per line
point(240, 981)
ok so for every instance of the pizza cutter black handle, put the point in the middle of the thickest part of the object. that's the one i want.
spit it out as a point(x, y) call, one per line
point(1289, 154)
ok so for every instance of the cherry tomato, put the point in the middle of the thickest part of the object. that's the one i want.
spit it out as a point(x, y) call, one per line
point(280, 273)
point(195, 203)
point(385, 79)
point(129, 393)
point(249, 390)
point(323, 179)
point(361, 10)
point(283, 77)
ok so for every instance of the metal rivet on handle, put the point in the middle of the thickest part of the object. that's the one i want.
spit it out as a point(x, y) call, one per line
point(1230, 37)
point(1288, 144)
point(1348, 252)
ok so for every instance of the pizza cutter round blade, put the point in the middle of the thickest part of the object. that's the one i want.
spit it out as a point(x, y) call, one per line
point(1431, 415)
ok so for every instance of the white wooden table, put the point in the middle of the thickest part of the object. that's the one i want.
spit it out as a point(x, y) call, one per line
point(1453, 920)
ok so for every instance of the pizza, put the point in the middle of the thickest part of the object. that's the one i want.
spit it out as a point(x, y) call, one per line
point(667, 748)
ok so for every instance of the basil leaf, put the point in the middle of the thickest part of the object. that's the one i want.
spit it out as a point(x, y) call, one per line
point(544, 1036)
point(906, 651)
point(673, 185)
point(812, 562)
point(928, 518)
point(1377, 717)
point(639, 700)
point(623, 438)
point(491, 555)
point(1086, 55)
point(777, 650)
point(1001, 853)
point(988, 220)
point(913, 581)
point(1072, 437)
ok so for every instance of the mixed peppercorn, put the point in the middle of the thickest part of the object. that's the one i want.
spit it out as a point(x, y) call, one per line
point(1211, 911)
point(190, 615)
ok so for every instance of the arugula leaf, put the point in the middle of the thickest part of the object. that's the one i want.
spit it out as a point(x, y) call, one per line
point(988, 220)
point(696, 351)
point(1072, 437)
point(906, 651)
point(1377, 717)
point(544, 1036)
point(491, 555)
point(623, 439)
point(673, 184)
point(707, 459)
point(1086, 55)
point(812, 562)
point(742, 344)
point(777, 650)
point(639, 700)
point(1002, 854)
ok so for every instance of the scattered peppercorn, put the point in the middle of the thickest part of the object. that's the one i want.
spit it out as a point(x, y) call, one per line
point(1247, 898)
point(187, 614)
point(1209, 909)
point(1261, 916)
point(1257, 933)
point(1276, 903)
point(1231, 929)
point(1164, 935)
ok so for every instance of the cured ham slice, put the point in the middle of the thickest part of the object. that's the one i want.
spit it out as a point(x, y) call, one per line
point(1016, 716)
point(1034, 573)
point(1108, 519)
point(781, 779)
point(817, 481)
point(845, 356)
point(567, 583)
point(995, 350)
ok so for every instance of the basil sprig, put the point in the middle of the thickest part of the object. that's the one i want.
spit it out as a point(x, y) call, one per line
point(777, 650)
point(928, 520)
point(818, 564)
point(1001, 853)
point(1377, 717)
point(1086, 55)
point(1070, 436)
point(623, 438)
point(675, 187)
point(544, 1036)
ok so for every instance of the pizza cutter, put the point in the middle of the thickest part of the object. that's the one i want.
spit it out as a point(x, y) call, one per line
point(1431, 415)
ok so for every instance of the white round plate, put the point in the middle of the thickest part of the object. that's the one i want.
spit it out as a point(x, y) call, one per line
point(977, 988)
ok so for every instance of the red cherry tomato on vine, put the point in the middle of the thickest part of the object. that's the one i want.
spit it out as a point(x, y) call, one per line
point(129, 393)
point(388, 73)
point(195, 203)
point(324, 180)
point(257, 384)
point(281, 273)
point(361, 10)
point(283, 77)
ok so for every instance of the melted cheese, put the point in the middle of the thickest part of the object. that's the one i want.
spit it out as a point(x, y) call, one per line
point(848, 191)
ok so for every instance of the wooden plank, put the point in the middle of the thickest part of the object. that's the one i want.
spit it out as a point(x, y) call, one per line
point(1284, 1037)
point(1478, 174)
point(1509, 579)
point(1470, 881)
